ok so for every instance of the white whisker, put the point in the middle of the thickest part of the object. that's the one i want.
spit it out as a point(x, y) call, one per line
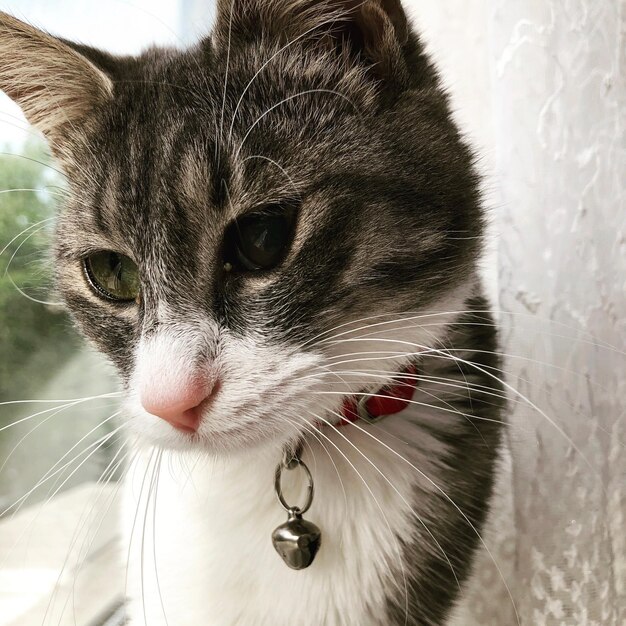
point(460, 511)
point(60, 304)
point(266, 63)
point(134, 524)
point(284, 101)
point(105, 395)
point(386, 520)
point(83, 519)
point(28, 228)
point(154, 533)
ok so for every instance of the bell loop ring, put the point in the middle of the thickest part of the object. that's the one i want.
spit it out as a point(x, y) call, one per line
point(292, 457)
point(292, 464)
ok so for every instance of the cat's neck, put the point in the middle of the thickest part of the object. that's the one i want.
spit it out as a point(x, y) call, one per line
point(392, 500)
point(220, 514)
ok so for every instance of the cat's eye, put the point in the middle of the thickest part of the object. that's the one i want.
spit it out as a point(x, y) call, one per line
point(113, 276)
point(259, 241)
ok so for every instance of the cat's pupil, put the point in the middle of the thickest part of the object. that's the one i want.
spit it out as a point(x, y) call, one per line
point(259, 241)
point(112, 276)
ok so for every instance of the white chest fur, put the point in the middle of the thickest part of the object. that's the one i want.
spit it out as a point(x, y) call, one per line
point(206, 548)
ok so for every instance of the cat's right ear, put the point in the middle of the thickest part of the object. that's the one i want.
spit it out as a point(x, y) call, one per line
point(374, 33)
point(56, 87)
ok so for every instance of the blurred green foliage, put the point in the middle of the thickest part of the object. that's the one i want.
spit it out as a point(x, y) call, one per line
point(35, 338)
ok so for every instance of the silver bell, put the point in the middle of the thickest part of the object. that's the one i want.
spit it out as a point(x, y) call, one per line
point(297, 540)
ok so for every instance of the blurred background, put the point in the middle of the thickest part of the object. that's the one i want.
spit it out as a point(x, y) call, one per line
point(41, 357)
point(539, 88)
point(58, 398)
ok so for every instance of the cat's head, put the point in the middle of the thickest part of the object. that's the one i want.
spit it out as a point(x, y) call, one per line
point(255, 224)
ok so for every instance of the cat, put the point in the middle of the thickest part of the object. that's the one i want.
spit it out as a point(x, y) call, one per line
point(261, 230)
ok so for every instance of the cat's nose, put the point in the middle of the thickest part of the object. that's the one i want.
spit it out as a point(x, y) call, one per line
point(180, 406)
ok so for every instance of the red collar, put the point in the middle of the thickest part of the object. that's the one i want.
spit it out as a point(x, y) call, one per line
point(391, 399)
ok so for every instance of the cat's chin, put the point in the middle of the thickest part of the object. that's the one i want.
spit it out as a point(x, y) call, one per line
point(245, 438)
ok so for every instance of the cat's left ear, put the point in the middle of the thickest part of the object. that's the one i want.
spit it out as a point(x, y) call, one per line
point(56, 87)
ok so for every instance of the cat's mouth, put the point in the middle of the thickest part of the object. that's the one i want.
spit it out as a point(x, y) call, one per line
point(214, 428)
point(232, 414)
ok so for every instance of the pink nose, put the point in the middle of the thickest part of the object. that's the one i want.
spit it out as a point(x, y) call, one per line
point(182, 407)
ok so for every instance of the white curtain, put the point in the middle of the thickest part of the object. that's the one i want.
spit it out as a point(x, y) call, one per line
point(541, 86)
point(560, 114)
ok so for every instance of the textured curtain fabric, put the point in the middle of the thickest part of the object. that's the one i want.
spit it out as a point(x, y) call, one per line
point(549, 115)
point(559, 85)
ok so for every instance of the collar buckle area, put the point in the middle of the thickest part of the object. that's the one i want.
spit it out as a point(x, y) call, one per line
point(389, 400)
point(363, 411)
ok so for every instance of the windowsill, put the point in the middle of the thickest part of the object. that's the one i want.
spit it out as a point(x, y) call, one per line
point(34, 546)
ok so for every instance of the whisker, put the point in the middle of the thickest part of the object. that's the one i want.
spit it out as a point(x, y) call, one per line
point(77, 468)
point(280, 167)
point(30, 297)
point(83, 519)
point(134, 524)
point(33, 521)
point(55, 411)
point(440, 343)
point(416, 315)
point(27, 158)
point(413, 511)
point(266, 63)
point(434, 352)
point(391, 533)
point(154, 553)
point(226, 76)
point(382, 376)
point(454, 324)
point(451, 501)
point(143, 535)
point(315, 434)
point(482, 390)
point(377, 375)
point(430, 352)
point(404, 317)
point(284, 101)
point(8, 245)
point(105, 395)
point(108, 437)
point(23, 127)
point(97, 445)
point(51, 473)
point(33, 190)
point(417, 403)
point(19, 247)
